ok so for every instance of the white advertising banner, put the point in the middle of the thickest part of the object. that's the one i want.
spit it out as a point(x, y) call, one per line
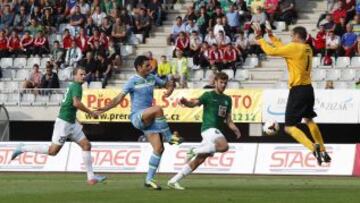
point(240, 159)
point(331, 106)
point(30, 161)
point(113, 157)
point(294, 159)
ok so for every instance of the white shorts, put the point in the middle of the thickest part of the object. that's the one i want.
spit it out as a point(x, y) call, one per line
point(210, 135)
point(64, 130)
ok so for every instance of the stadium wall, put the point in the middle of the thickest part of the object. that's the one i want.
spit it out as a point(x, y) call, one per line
point(130, 157)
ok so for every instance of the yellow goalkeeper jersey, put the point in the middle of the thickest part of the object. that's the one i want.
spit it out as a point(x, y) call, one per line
point(298, 57)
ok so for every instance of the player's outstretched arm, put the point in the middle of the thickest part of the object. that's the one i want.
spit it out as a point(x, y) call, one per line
point(190, 103)
point(79, 105)
point(233, 127)
point(115, 101)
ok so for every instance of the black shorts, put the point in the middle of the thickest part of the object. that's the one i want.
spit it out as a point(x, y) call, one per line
point(300, 104)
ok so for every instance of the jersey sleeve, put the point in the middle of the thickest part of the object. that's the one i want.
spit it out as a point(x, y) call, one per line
point(204, 98)
point(276, 41)
point(286, 51)
point(230, 106)
point(128, 88)
point(76, 91)
point(159, 81)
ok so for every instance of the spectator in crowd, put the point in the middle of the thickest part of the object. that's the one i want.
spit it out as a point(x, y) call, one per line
point(227, 27)
point(36, 14)
point(271, 6)
point(244, 13)
point(50, 79)
point(41, 45)
point(73, 55)
point(21, 20)
point(94, 38)
point(255, 4)
point(90, 65)
point(153, 62)
point(81, 40)
point(164, 68)
point(104, 40)
point(233, 19)
point(328, 23)
point(349, 6)
point(190, 14)
point(48, 21)
point(218, 26)
point(254, 49)
point(104, 70)
point(329, 85)
point(332, 44)
point(259, 16)
point(57, 55)
point(34, 80)
point(191, 26)
point(182, 44)
point(84, 7)
point(155, 11)
point(176, 29)
point(230, 57)
point(34, 27)
point(202, 58)
point(119, 31)
point(211, 82)
point(287, 11)
point(218, 14)
point(67, 39)
point(355, 23)
point(26, 44)
point(98, 16)
point(3, 44)
point(179, 69)
point(6, 17)
point(216, 57)
point(222, 40)
point(348, 41)
point(203, 22)
point(90, 27)
point(106, 27)
point(242, 45)
point(13, 45)
point(340, 28)
point(195, 44)
point(143, 24)
point(77, 19)
point(210, 38)
point(320, 41)
point(340, 12)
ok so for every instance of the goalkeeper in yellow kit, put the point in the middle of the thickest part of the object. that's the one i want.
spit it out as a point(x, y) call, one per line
point(300, 104)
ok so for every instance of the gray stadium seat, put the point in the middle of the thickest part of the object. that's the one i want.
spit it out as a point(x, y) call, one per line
point(341, 85)
point(281, 85)
point(55, 99)
point(207, 74)
point(3, 98)
point(348, 74)
point(280, 26)
point(316, 62)
point(198, 74)
point(21, 74)
point(95, 85)
point(19, 63)
point(7, 74)
point(333, 74)
point(12, 86)
point(27, 99)
point(242, 74)
point(233, 85)
point(2, 86)
point(32, 61)
point(355, 62)
point(190, 63)
point(13, 99)
point(251, 62)
point(6, 62)
point(41, 100)
point(43, 62)
point(318, 74)
point(324, 66)
point(65, 74)
point(342, 62)
point(229, 72)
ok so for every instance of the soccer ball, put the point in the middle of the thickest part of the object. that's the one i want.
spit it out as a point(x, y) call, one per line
point(271, 128)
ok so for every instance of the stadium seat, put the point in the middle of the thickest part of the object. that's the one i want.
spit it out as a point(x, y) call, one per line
point(95, 85)
point(65, 74)
point(342, 62)
point(318, 74)
point(2, 86)
point(6, 63)
point(64, 84)
point(348, 74)
point(316, 61)
point(355, 62)
point(55, 99)
point(191, 63)
point(229, 72)
point(198, 75)
point(242, 74)
point(3, 98)
point(31, 61)
point(12, 99)
point(41, 100)
point(281, 85)
point(190, 85)
point(140, 38)
point(319, 85)
point(251, 62)
point(19, 63)
point(7, 74)
point(284, 76)
point(27, 99)
point(12, 86)
point(324, 66)
point(333, 74)
point(233, 85)
point(341, 85)
point(43, 62)
point(280, 26)
point(207, 74)
point(21, 74)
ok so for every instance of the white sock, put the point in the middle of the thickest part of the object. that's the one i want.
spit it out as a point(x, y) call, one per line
point(205, 149)
point(86, 155)
point(40, 149)
point(184, 172)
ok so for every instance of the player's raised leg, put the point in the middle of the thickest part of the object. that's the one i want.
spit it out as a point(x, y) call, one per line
point(51, 150)
point(158, 148)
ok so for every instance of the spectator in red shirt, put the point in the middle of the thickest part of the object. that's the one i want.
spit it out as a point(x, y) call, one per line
point(104, 40)
point(271, 7)
point(216, 57)
point(82, 40)
point(95, 37)
point(182, 43)
point(320, 41)
point(3, 45)
point(41, 44)
point(349, 6)
point(14, 44)
point(339, 12)
point(26, 43)
point(230, 57)
point(67, 39)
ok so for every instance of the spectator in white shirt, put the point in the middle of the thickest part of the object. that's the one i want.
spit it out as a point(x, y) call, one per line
point(222, 39)
point(218, 26)
point(98, 16)
point(242, 44)
point(210, 37)
point(175, 30)
point(191, 26)
point(195, 43)
point(73, 55)
point(332, 44)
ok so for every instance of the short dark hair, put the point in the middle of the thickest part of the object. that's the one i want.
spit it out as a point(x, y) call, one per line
point(75, 71)
point(140, 60)
point(300, 31)
point(221, 76)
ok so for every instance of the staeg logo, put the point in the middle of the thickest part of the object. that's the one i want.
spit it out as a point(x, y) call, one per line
point(277, 109)
point(219, 162)
point(344, 105)
point(296, 159)
point(113, 158)
point(24, 161)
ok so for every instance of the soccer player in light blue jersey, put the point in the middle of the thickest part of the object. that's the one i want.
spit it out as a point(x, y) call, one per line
point(145, 117)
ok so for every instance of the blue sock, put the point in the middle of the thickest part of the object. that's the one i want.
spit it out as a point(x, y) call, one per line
point(164, 127)
point(153, 166)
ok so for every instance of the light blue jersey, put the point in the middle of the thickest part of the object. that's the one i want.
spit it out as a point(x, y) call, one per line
point(141, 92)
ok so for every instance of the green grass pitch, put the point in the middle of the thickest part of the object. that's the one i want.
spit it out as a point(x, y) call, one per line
point(71, 187)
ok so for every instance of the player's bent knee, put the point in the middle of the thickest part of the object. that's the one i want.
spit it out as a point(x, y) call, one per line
point(223, 147)
point(159, 111)
point(159, 150)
